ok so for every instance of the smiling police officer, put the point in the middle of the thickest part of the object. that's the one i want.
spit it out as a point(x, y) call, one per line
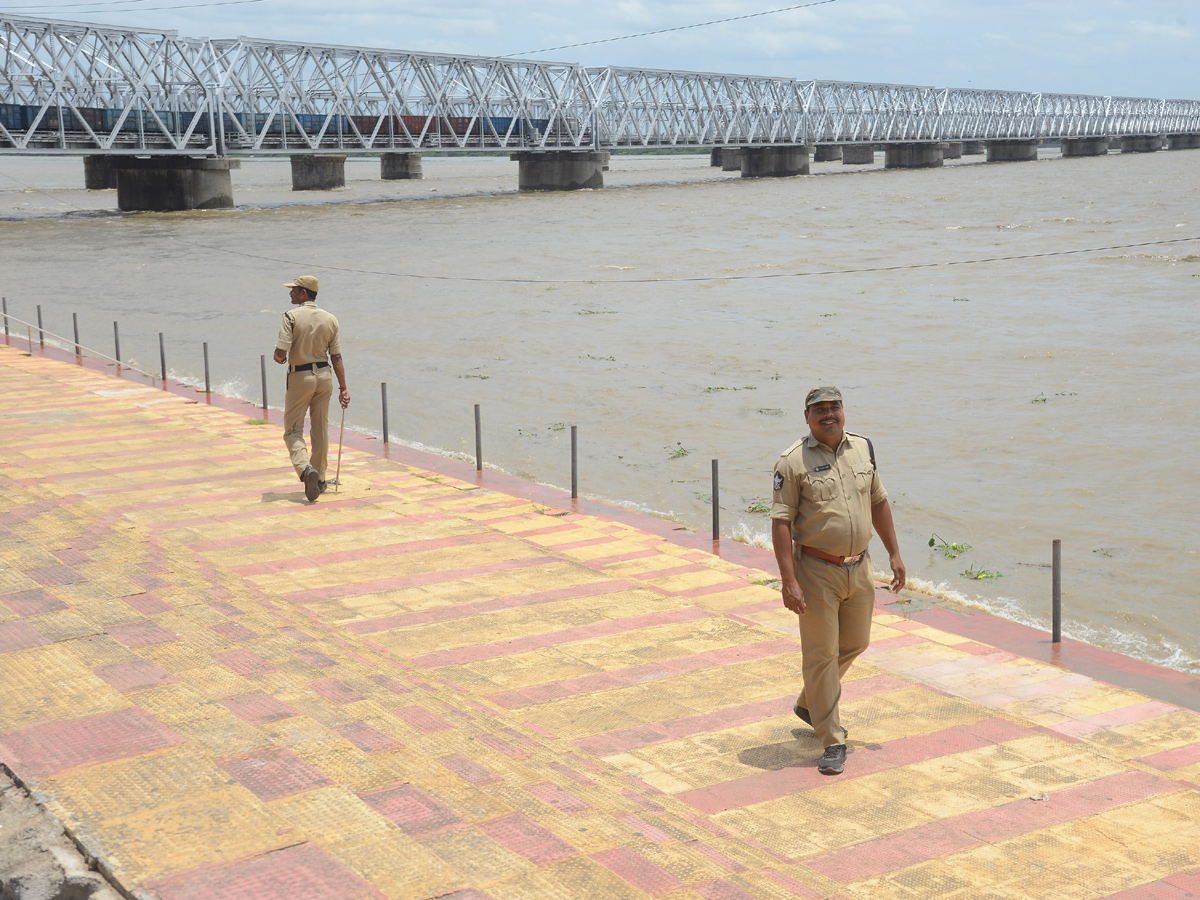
point(827, 496)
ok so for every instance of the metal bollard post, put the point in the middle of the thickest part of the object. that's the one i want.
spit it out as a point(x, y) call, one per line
point(75, 323)
point(1056, 601)
point(41, 333)
point(716, 503)
point(262, 364)
point(4, 312)
point(574, 462)
point(383, 393)
point(478, 442)
point(162, 359)
point(117, 346)
point(207, 381)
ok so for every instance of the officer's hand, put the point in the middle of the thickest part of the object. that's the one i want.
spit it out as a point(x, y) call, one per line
point(793, 597)
point(899, 574)
point(344, 397)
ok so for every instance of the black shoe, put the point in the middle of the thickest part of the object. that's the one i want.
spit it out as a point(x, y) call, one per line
point(321, 485)
point(312, 483)
point(803, 716)
point(833, 760)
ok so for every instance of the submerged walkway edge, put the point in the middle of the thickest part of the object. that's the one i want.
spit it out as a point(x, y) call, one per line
point(442, 684)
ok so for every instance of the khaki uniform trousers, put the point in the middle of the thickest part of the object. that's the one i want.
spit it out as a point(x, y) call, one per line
point(308, 392)
point(834, 630)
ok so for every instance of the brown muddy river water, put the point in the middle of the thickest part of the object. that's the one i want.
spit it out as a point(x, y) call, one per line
point(681, 314)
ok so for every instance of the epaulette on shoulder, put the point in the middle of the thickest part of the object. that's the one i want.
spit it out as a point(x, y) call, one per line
point(870, 446)
point(792, 449)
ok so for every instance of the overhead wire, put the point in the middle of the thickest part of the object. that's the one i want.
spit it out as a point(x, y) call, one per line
point(757, 276)
point(627, 37)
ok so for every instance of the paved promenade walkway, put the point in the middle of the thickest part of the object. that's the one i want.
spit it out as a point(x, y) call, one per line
point(422, 687)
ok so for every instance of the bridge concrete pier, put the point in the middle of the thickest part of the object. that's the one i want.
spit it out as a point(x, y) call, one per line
point(974, 148)
point(400, 167)
point(1184, 141)
point(1012, 151)
point(100, 172)
point(858, 154)
point(560, 170)
point(173, 183)
point(913, 156)
point(1089, 146)
point(774, 162)
point(731, 159)
point(318, 173)
point(827, 153)
point(714, 156)
point(952, 150)
point(1142, 143)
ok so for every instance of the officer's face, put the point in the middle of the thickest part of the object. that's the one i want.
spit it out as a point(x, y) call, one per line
point(826, 421)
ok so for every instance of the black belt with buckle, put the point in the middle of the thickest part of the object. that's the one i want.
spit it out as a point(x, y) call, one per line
point(308, 367)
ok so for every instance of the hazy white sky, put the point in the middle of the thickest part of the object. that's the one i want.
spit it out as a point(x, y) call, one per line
point(1117, 47)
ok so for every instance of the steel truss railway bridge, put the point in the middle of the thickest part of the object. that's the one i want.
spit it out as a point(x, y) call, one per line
point(136, 100)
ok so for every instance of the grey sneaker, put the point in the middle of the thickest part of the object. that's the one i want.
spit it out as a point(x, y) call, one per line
point(312, 483)
point(833, 760)
point(803, 716)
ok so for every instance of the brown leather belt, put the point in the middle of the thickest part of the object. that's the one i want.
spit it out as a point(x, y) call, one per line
point(830, 558)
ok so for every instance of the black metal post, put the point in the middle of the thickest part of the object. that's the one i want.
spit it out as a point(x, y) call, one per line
point(574, 462)
point(75, 323)
point(1056, 601)
point(478, 442)
point(162, 358)
point(117, 346)
point(383, 393)
point(716, 503)
point(262, 364)
point(41, 333)
point(207, 380)
point(4, 312)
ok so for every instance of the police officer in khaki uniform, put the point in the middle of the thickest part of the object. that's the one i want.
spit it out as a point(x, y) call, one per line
point(307, 335)
point(827, 495)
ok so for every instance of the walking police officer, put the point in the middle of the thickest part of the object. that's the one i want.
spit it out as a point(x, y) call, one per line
point(827, 497)
point(307, 336)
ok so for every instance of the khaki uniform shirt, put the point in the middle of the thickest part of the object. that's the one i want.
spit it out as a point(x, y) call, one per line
point(827, 496)
point(308, 334)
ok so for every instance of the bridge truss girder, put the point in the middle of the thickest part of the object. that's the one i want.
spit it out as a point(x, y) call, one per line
point(79, 88)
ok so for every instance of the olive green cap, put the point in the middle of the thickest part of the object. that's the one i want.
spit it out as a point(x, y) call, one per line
point(822, 394)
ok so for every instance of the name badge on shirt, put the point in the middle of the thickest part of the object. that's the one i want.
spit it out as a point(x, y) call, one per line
point(824, 468)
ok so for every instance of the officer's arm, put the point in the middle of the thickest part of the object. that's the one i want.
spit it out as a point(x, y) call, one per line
point(280, 355)
point(781, 542)
point(339, 369)
point(881, 518)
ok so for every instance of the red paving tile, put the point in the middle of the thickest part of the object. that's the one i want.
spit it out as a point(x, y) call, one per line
point(135, 675)
point(422, 719)
point(602, 628)
point(19, 636)
point(501, 746)
point(638, 871)
point(147, 604)
point(273, 773)
point(234, 631)
point(466, 610)
point(244, 662)
point(413, 810)
point(798, 888)
point(258, 708)
point(1174, 759)
point(335, 691)
point(47, 749)
point(357, 589)
point(315, 658)
point(650, 832)
point(136, 635)
point(559, 798)
point(34, 602)
point(721, 890)
point(368, 738)
point(528, 839)
point(772, 785)
point(52, 576)
point(1155, 890)
point(302, 872)
point(468, 770)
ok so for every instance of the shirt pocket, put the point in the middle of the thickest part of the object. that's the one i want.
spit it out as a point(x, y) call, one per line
point(863, 479)
point(824, 487)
